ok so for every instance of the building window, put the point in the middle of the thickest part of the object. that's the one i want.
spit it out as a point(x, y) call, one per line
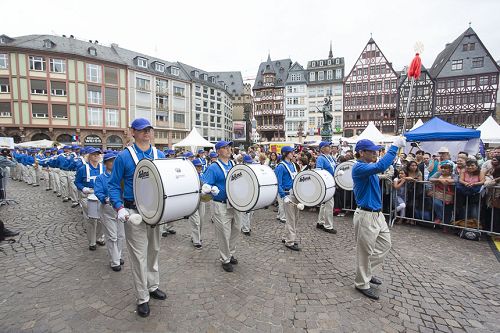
point(313, 64)
point(39, 110)
point(312, 76)
point(142, 84)
point(58, 88)
point(59, 111)
point(321, 75)
point(457, 65)
point(493, 79)
point(329, 74)
point(175, 71)
point(4, 63)
point(94, 95)
point(94, 73)
point(38, 87)
point(110, 75)
point(92, 51)
point(37, 63)
point(338, 73)
point(159, 67)
point(111, 118)
point(4, 85)
point(111, 96)
point(94, 116)
point(178, 91)
point(179, 118)
point(469, 47)
point(483, 80)
point(477, 62)
point(57, 66)
point(162, 103)
point(161, 86)
point(141, 62)
point(5, 110)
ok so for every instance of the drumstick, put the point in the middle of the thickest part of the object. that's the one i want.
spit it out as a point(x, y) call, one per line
point(300, 206)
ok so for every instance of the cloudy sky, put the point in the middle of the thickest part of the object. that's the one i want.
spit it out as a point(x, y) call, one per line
point(219, 35)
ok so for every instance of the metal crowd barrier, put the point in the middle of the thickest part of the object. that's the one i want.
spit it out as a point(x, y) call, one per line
point(471, 212)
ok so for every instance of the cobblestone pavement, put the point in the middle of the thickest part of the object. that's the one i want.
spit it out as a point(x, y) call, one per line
point(51, 282)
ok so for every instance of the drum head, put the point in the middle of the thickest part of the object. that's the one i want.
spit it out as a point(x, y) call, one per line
point(310, 188)
point(242, 187)
point(148, 192)
point(344, 181)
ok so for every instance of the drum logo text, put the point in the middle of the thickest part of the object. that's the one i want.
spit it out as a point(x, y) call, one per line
point(143, 174)
point(236, 176)
point(344, 168)
point(304, 179)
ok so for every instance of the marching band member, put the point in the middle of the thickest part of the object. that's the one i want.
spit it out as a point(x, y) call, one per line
point(85, 181)
point(37, 168)
point(373, 239)
point(246, 216)
point(325, 161)
point(56, 185)
point(196, 218)
point(45, 168)
point(143, 242)
point(113, 229)
point(285, 173)
point(74, 165)
point(213, 157)
point(227, 224)
point(63, 163)
point(203, 160)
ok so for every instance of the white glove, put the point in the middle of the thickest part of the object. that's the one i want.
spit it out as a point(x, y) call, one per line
point(400, 142)
point(107, 200)
point(87, 190)
point(287, 199)
point(215, 190)
point(123, 215)
point(206, 189)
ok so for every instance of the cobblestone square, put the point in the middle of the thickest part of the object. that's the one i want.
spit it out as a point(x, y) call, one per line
point(433, 282)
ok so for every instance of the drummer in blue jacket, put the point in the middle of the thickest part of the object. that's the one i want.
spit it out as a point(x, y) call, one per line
point(202, 159)
point(84, 181)
point(326, 162)
point(285, 173)
point(196, 218)
point(143, 242)
point(113, 229)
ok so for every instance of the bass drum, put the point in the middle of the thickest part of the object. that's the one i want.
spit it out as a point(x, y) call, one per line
point(251, 186)
point(313, 187)
point(344, 178)
point(166, 190)
point(92, 206)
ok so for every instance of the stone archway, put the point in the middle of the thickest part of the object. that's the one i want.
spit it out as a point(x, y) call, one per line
point(40, 136)
point(64, 138)
point(114, 142)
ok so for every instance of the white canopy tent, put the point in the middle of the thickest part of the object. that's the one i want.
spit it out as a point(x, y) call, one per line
point(372, 133)
point(194, 140)
point(36, 144)
point(417, 124)
point(7, 142)
point(490, 131)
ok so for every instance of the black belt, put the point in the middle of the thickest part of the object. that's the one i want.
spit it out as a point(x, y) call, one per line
point(129, 204)
point(221, 201)
point(370, 210)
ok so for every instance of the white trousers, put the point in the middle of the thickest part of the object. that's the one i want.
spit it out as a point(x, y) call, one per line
point(73, 191)
point(114, 231)
point(281, 209)
point(64, 179)
point(94, 227)
point(197, 220)
point(373, 242)
point(46, 178)
point(56, 186)
point(292, 215)
point(325, 216)
point(246, 221)
point(38, 174)
point(227, 228)
point(143, 244)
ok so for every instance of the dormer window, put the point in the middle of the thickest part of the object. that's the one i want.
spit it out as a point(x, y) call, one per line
point(92, 51)
point(212, 79)
point(47, 43)
point(313, 64)
point(337, 61)
point(142, 62)
point(174, 71)
point(205, 77)
point(329, 62)
point(159, 67)
point(321, 63)
point(2, 40)
point(197, 74)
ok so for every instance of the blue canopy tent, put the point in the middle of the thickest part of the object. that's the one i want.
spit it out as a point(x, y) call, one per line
point(437, 133)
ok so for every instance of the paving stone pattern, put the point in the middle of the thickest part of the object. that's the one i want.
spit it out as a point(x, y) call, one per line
point(433, 282)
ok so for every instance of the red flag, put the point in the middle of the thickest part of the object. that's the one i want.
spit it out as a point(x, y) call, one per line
point(415, 67)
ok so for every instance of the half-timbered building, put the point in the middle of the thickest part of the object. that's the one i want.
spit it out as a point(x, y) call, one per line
point(370, 92)
point(466, 81)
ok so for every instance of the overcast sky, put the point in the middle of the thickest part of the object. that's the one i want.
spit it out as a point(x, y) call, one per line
point(237, 35)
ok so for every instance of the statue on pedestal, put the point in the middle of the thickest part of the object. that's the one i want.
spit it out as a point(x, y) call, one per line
point(326, 131)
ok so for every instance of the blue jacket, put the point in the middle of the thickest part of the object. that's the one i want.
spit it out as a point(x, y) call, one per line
point(214, 176)
point(63, 162)
point(123, 169)
point(366, 183)
point(81, 176)
point(326, 163)
point(285, 181)
point(101, 187)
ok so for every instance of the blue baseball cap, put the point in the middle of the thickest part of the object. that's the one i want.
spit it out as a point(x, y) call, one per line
point(212, 154)
point(366, 144)
point(109, 156)
point(93, 150)
point(188, 154)
point(60, 151)
point(75, 147)
point(140, 124)
point(222, 144)
point(286, 149)
point(170, 152)
point(201, 151)
point(324, 143)
point(67, 147)
point(248, 159)
point(196, 162)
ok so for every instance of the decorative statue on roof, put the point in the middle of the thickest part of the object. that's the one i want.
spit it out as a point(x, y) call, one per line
point(326, 131)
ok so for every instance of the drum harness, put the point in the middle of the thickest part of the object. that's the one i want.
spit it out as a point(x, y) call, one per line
point(221, 166)
point(292, 174)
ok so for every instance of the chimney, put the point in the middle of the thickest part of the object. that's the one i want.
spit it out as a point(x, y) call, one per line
point(64, 36)
point(96, 42)
point(71, 36)
point(114, 45)
point(90, 40)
